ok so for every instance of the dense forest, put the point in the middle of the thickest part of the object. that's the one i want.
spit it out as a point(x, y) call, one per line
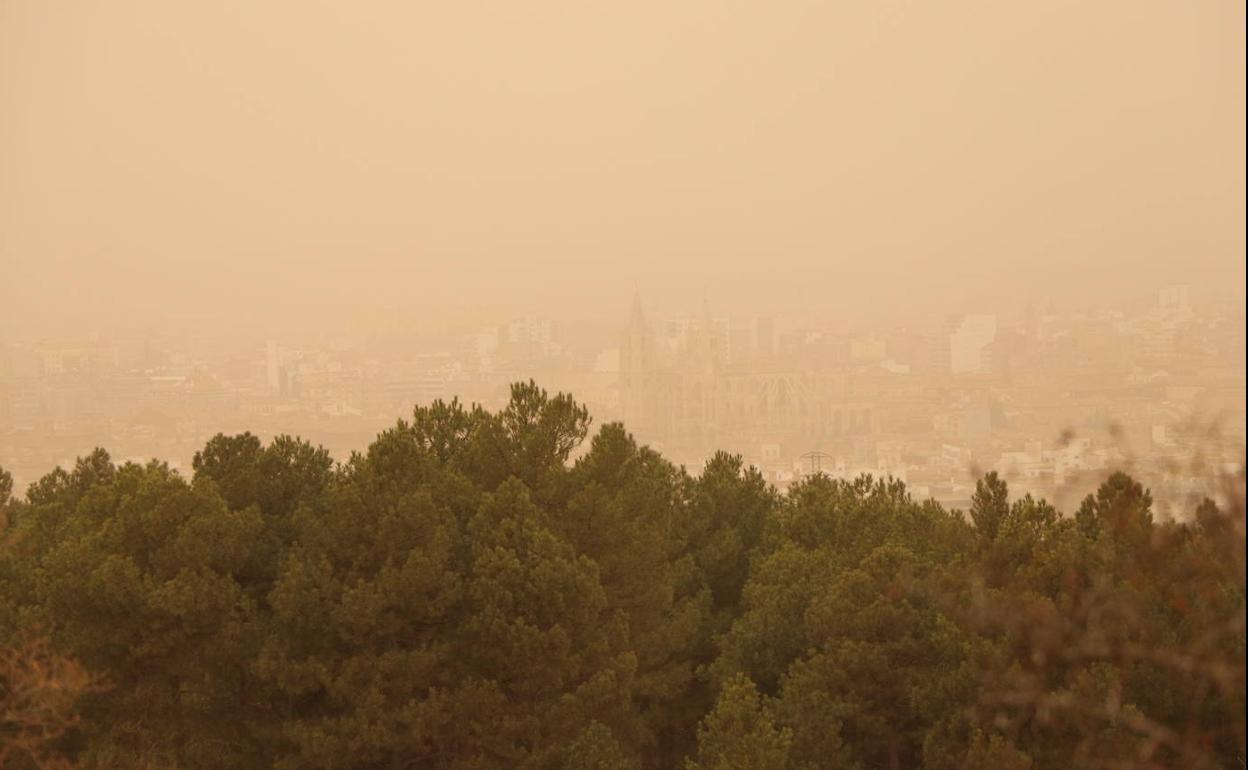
point(464, 595)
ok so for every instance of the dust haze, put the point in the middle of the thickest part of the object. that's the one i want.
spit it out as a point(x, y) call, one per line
point(299, 165)
point(910, 237)
point(646, 385)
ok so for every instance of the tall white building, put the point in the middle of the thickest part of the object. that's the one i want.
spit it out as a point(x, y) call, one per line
point(273, 367)
point(969, 344)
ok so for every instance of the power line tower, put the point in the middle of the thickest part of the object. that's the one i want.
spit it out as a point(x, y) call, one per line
point(816, 459)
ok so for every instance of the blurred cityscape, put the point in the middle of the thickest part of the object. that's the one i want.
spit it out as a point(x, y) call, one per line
point(1044, 396)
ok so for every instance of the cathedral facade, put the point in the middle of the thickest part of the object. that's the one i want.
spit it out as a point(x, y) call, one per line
point(693, 384)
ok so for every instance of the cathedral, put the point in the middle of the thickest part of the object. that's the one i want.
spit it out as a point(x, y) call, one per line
point(699, 383)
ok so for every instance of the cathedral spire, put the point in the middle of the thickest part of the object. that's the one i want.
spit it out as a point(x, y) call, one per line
point(636, 317)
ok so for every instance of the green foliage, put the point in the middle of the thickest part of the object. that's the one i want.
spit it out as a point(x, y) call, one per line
point(994, 753)
point(134, 571)
point(276, 478)
point(990, 505)
point(741, 733)
point(624, 510)
point(6, 487)
point(462, 596)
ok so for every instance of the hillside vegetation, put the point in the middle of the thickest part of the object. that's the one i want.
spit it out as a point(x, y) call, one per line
point(462, 596)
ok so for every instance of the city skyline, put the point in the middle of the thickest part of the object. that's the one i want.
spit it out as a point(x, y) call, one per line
point(647, 385)
point(929, 404)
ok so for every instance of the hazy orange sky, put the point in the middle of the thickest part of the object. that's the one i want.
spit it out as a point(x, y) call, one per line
point(276, 162)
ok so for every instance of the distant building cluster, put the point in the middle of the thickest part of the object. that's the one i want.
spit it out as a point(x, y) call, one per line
point(1044, 396)
point(694, 384)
